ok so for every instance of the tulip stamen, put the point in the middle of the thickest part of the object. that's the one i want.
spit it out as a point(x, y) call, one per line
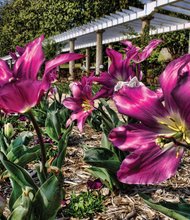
point(86, 105)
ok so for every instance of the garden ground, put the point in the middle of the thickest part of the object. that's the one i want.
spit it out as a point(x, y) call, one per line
point(121, 205)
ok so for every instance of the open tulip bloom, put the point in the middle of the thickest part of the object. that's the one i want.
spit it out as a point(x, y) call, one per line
point(82, 102)
point(20, 88)
point(157, 143)
point(122, 71)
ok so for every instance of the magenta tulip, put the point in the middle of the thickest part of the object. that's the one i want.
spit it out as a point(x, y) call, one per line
point(122, 71)
point(157, 143)
point(82, 101)
point(20, 88)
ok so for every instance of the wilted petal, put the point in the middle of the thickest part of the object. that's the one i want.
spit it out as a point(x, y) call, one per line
point(131, 137)
point(94, 184)
point(19, 97)
point(5, 73)
point(150, 166)
point(61, 59)
point(170, 77)
point(28, 65)
point(140, 103)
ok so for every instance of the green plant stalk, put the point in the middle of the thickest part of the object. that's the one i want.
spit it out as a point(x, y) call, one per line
point(40, 138)
point(165, 210)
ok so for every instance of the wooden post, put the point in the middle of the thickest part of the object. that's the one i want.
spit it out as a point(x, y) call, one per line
point(99, 56)
point(72, 63)
point(88, 59)
point(109, 60)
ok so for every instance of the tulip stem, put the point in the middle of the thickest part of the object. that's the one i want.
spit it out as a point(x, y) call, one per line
point(40, 138)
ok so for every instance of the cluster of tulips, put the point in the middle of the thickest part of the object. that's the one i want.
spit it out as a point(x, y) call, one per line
point(146, 148)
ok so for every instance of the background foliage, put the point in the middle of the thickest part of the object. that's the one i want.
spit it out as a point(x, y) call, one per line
point(21, 20)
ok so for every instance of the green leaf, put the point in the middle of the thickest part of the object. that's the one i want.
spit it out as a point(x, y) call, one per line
point(178, 211)
point(22, 155)
point(113, 115)
point(102, 174)
point(62, 147)
point(23, 139)
point(15, 193)
point(102, 157)
point(52, 125)
point(3, 144)
point(23, 205)
point(48, 198)
point(105, 142)
point(17, 173)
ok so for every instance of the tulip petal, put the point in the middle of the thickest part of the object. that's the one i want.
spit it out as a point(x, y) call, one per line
point(169, 78)
point(140, 103)
point(28, 64)
point(119, 68)
point(72, 104)
point(106, 80)
point(19, 97)
point(131, 137)
point(150, 166)
point(61, 59)
point(181, 95)
point(147, 50)
point(81, 118)
point(5, 73)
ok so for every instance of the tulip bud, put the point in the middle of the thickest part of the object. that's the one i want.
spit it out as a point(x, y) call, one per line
point(8, 130)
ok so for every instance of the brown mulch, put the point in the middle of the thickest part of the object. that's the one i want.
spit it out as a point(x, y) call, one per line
point(119, 205)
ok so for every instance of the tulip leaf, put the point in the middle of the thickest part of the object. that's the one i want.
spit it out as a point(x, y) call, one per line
point(113, 115)
point(102, 157)
point(23, 205)
point(22, 155)
point(15, 193)
point(102, 174)
point(52, 125)
point(178, 211)
point(48, 198)
point(105, 142)
point(17, 173)
point(23, 139)
point(62, 147)
point(3, 143)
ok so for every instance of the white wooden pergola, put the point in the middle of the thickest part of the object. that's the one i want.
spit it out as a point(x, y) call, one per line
point(125, 24)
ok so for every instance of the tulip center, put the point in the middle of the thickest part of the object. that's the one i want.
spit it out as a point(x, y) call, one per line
point(86, 105)
point(174, 130)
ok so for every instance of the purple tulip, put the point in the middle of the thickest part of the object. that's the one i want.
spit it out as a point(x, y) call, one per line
point(141, 56)
point(157, 143)
point(123, 70)
point(82, 102)
point(20, 88)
